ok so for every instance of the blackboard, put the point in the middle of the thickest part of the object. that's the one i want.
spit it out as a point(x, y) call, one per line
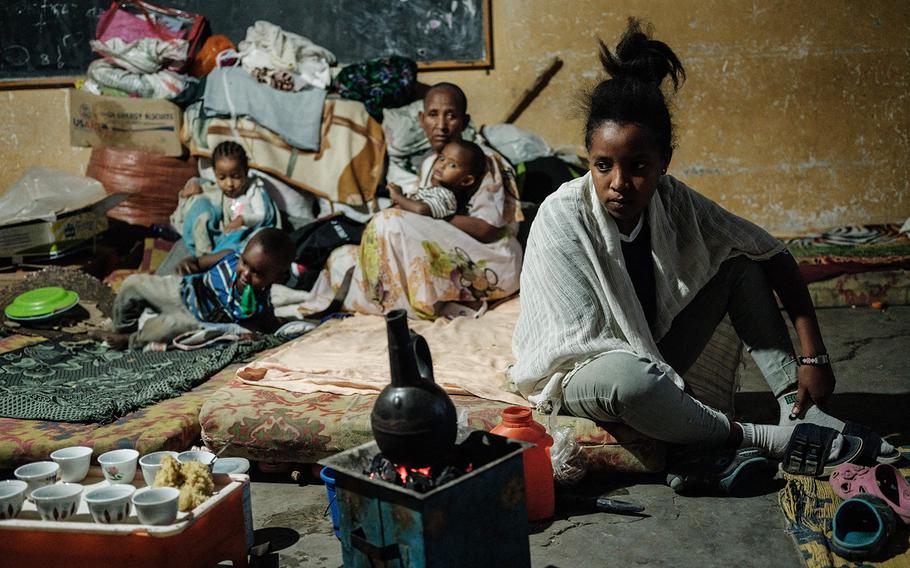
point(47, 41)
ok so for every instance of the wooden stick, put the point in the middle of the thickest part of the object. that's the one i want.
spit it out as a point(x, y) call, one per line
point(529, 95)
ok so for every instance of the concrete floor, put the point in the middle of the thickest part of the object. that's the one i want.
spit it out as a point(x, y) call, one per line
point(871, 350)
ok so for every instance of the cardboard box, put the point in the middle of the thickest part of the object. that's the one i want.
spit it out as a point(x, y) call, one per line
point(55, 232)
point(152, 125)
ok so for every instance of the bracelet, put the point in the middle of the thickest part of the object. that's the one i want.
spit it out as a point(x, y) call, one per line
point(816, 361)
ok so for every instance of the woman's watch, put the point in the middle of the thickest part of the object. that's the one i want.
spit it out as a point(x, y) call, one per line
point(815, 361)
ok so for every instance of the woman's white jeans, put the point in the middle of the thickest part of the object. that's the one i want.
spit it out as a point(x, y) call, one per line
point(623, 387)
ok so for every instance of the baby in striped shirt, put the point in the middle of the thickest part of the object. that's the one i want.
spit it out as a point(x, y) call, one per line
point(456, 175)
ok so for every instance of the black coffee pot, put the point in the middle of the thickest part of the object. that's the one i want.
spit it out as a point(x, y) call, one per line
point(413, 419)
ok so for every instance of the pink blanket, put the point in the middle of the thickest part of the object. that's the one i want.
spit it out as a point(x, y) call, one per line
point(350, 356)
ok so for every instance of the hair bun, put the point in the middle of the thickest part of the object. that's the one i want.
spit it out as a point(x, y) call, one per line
point(638, 57)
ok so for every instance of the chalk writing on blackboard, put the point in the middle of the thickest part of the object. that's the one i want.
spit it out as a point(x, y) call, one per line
point(46, 39)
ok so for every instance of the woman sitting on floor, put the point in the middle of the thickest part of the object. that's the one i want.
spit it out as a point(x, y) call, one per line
point(628, 272)
point(428, 266)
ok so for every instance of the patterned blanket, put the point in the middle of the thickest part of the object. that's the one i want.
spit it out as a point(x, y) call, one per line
point(84, 381)
point(851, 250)
point(809, 504)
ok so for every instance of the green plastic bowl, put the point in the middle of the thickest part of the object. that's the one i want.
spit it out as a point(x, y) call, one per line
point(41, 303)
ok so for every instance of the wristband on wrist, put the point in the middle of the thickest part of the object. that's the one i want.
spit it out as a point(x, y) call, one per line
point(816, 361)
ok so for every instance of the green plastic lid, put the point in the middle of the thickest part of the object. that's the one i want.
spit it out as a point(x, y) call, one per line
point(41, 302)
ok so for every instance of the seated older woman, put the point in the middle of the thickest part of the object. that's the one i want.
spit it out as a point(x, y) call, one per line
point(430, 266)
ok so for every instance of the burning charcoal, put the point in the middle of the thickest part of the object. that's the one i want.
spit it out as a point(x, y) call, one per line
point(420, 481)
point(448, 473)
point(382, 468)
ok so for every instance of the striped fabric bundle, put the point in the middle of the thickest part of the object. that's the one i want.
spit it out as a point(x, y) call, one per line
point(577, 300)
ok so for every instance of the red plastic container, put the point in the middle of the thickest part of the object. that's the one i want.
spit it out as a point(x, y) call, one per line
point(518, 424)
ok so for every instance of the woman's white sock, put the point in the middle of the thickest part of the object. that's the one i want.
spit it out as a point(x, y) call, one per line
point(815, 415)
point(773, 439)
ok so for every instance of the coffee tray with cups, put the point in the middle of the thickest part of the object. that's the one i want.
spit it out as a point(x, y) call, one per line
point(67, 494)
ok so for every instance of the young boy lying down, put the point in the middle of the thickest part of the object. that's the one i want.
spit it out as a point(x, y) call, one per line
point(224, 287)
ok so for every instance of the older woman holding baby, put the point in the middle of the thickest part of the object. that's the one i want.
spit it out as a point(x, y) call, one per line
point(434, 266)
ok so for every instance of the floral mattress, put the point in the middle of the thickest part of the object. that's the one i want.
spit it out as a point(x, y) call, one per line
point(856, 265)
point(271, 424)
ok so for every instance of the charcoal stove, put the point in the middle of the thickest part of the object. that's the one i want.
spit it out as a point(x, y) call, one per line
point(476, 519)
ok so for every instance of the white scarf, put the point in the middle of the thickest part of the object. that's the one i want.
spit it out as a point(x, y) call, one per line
point(577, 300)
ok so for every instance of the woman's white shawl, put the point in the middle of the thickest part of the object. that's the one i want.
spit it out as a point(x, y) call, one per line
point(577, 300)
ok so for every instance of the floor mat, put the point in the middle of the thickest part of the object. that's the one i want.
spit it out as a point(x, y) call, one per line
point(84, 381)
point(809, 504)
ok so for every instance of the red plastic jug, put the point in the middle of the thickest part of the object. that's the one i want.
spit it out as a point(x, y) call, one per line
point(518, 424)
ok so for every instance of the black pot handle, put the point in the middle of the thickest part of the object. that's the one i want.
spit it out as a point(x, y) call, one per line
point(423, 357)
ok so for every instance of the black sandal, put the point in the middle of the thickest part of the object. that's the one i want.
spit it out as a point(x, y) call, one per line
point(872, 444)
point(809, 447)
point(731, 472)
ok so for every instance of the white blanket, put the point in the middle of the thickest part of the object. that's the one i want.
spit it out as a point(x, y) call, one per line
point(577, 300)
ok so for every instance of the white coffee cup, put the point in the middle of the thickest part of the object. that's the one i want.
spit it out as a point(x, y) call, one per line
point(110, 504)
point(37, 474)
point(119, 466)
point(151, 463)
point(203, 457)
point(74, 462)
point(57, 502)
point(12, 495)
point(156, 505)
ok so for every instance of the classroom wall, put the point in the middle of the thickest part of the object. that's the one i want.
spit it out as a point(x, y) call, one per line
point(795, 114)
point(34, 131)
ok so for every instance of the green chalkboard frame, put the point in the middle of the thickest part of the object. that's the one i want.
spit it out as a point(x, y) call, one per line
point(484, 63)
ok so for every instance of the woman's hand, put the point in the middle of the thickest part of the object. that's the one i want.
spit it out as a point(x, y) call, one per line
point(191, 188)
point(234, 225)
point(394, 192)
point(814, 385)
point(477, 228)
point(189, 265)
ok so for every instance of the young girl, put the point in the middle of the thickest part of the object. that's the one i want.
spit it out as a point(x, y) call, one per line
point(223, 215)
point(628, 272)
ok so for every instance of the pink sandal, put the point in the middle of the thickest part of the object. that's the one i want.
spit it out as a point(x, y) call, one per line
point(882, 480)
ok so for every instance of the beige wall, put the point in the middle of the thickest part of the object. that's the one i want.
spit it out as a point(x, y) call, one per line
point(795, 114)
point(34, 131)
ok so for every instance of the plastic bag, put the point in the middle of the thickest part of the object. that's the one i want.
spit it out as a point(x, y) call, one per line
point(146, 55)
point(570, 464)
point(463, 429)
point(45, 192)
point(131, 20)
point(163, 84)
point(516, 144)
